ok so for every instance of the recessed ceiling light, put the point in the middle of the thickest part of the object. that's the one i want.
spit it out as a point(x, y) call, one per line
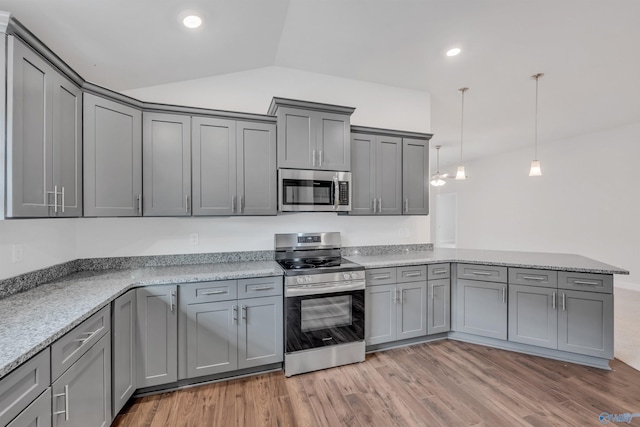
point(192, 21)
point(454, 51)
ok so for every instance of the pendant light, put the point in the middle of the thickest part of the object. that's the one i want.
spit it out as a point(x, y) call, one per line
point(437, 179)
point(460, 174)
point(535, 164)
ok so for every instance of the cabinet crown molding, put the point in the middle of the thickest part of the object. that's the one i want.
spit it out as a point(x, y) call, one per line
point(277, 102)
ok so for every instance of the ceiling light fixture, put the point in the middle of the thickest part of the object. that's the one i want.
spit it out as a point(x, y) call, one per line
point(453, 52)
point(460, 174)
point(192, 21)
point(535, 164)
point(437, 179)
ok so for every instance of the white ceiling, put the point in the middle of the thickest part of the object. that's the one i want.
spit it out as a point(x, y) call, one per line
point(588, 50)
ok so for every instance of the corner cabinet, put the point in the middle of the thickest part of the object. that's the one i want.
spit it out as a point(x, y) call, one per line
point(112, 158)
point(439, 295)
point(234, 167)
point(123, 367)
point(44, 138)
point(312, 135)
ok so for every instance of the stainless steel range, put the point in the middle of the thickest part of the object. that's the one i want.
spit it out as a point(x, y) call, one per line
point(324, 302)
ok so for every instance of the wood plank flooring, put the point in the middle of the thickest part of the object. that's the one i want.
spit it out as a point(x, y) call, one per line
point(446, 383)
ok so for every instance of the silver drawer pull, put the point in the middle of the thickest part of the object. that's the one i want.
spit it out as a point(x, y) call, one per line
point(66, 403)
point(263, 288)
point(532, 278)
point(413, 274)
point(91, 335)
point(381, 276)
point(327, 339)
point(481, 273)
point(439, 271)
point(218, 292)
point(584, 282)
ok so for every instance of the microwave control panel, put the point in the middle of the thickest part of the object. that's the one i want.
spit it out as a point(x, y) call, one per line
point(343, 193)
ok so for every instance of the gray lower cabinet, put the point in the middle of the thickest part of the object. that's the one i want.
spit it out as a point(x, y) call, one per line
point(481, 308)
point(166, 164)
point(415, 176)
point(38, 414)
point(260, 332)
point(380, 314)
point(44, 139)
point(438, 306)
point(123, 367)
point(376, 165)
point(112, 158)
point(234, 167)
point(585, 323)
point(82, 395)
point(156, 335)
point(533, 315)
point(412, 310)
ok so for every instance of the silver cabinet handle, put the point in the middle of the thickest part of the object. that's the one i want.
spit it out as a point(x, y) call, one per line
point(553, 300)
point(327, 339)
point(431, 292)
point(62, 204)
point(66, 403)
point(241, 204)
point(481, 273)
point(373, 205)
point(504, 294)
point(381, 276)
point(90, 335)
point(533, 278)
point(218, 292)
point(55, 198)
point(140, 204)
point(263, 288)
point(235, 315)
point(244, 313)
point(401, 296)
point(336, 192)
point(233, 204)
point(564, 302)
point(313, 158)
point(395, 296)
point(413, 274)
point(379, 204)
point(172, 304)
point(320, 158)
point(439, 270)
point(406, 205)
point(584, 282)
point(186, 205)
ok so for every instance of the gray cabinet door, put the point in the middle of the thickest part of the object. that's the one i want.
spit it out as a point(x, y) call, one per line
point(257, 169)
point(380, 314)
point(415, 176)
point(260, 334)
point(389, 175)
point(67, 147)
point(296, 139)
point(412, 310)
point(166, 160)
point(112, 158)
point(533, 315)
point(82, 395)
point(214, 166)
point(333, 142)
point(439, 307)
point(29, 136)
point(212, 330)
point(157, 335)
point(585, 323)
point(37, 414)
point(363, 171)
point(482, 308)
point(124, 349)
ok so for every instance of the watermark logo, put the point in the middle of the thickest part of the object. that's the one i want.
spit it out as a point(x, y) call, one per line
point(606, 418)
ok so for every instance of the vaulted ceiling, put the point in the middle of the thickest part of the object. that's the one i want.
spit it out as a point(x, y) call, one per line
point(588, 50)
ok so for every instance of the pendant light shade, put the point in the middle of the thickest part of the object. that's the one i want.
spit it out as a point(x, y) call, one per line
point(460, 173)
point(535, 169)
point(437, 179)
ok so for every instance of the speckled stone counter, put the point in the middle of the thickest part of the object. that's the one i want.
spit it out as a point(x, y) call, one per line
point(32, 320)
point(547, 261)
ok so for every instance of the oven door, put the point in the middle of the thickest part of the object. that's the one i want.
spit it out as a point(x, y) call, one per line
point(326, 319)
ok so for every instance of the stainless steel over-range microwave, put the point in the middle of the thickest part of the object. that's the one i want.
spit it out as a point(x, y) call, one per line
point(313, 191)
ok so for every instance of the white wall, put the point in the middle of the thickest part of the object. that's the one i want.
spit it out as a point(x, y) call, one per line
point(48, 242)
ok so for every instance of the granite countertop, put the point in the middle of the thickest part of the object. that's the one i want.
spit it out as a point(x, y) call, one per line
point(547, 261)
point(32, 320)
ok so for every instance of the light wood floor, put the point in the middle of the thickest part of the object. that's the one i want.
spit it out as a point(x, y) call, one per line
point(444, 383)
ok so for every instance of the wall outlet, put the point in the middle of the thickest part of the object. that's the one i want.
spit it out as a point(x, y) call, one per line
point(194, 239)
point(17, 253)
point(403, 232)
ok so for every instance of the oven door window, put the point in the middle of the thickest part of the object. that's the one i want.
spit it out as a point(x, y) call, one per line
point(307, 192)
point(319, 320)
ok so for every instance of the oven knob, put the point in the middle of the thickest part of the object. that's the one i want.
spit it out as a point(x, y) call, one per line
point(346, 276)
point(307, 279)
point(354, 275)
point(300, 280)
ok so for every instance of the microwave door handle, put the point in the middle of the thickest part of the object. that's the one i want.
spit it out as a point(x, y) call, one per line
point(336, 192)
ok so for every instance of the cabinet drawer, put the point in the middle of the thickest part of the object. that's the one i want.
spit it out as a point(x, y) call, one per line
point(20, 387)
point(416, 273)
point(589, 282)
point(532, 277)
point(486, 273)
point(438, 271)
point(75, 343)
point(37, 414)
point(220, 290)
point(259, 287)
point(380, 276)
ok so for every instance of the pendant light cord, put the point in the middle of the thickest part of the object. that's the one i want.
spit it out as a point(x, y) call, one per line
point(462, 91)
point(535, 131)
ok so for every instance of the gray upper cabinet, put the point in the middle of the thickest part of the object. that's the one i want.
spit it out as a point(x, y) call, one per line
point(376, 165)
point(415, 176)
point(166, 164)
point(533, 315)
point(112, 158)
point(124, 349)
point(44, 146)
point(256, 168)
point(312, 135)
point(481, 308)
point(157, 335)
